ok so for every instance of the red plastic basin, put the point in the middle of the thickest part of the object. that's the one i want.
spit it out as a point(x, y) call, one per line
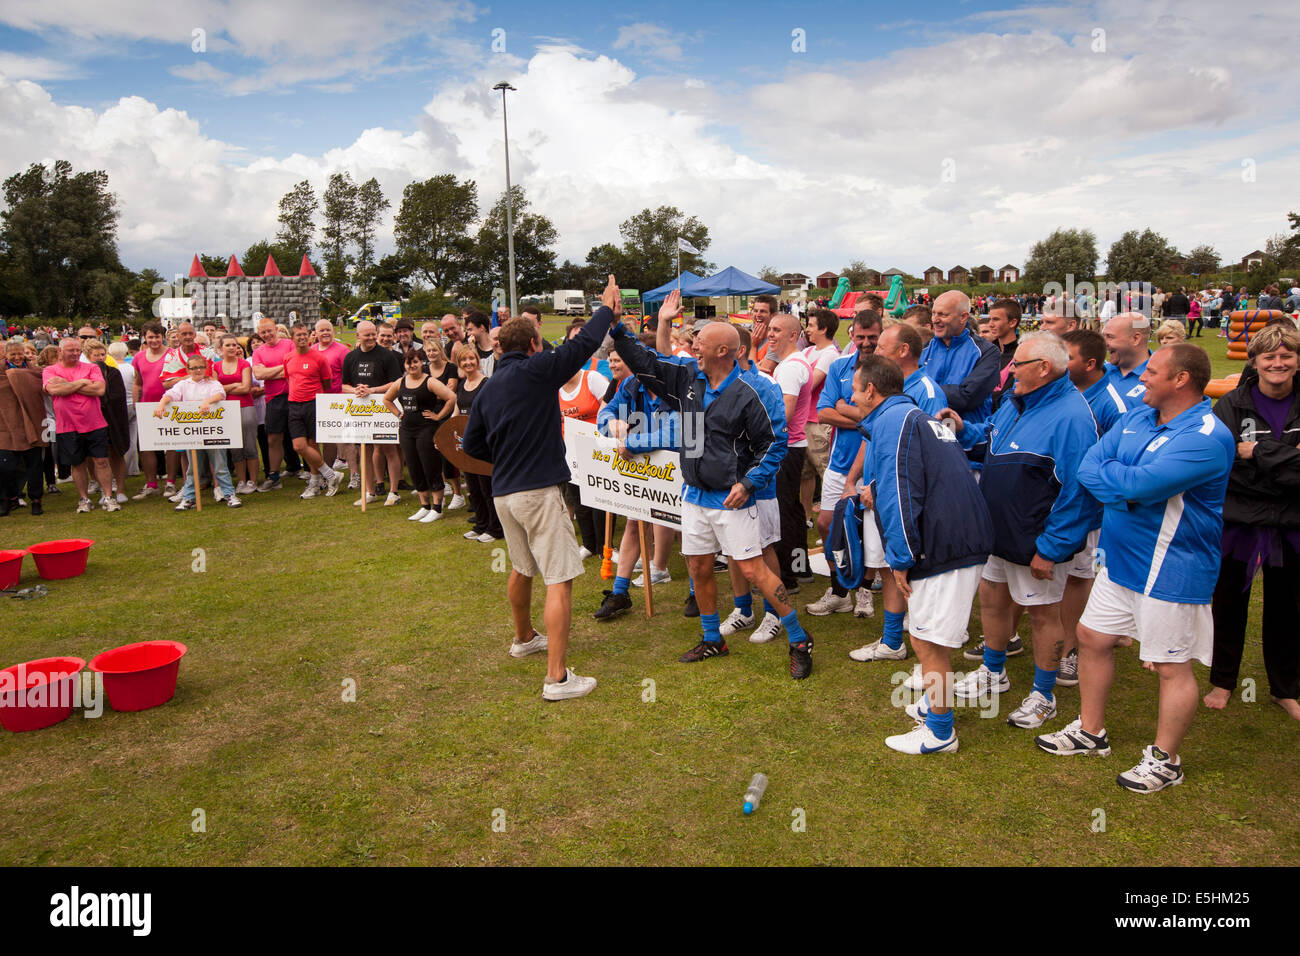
point(11, 567)
point(61, 559)
point(38, 694)
point(140, 676)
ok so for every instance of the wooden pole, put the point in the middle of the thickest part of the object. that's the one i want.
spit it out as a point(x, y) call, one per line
point(365, 453)
point(646, 570)
point(194, 474)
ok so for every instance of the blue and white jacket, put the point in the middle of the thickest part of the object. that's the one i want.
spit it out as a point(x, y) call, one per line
point(1129, 385)
point(968, 369)
point(1162, 488)
point(1033, 446)
point(928, 395)
point(1107, 405)
point(931, 515)
point(657, 428)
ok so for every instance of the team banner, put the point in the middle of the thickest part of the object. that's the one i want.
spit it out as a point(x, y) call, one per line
point(350, 419)
point(645, 487)
point(184, 427)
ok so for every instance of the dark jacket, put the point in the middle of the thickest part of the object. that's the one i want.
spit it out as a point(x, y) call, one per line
point(515, 422)
point(1177, 306)
point(1263, 490)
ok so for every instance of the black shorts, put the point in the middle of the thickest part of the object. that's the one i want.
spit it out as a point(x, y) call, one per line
point(302, 420)
point(75, 447)
point(277, 414)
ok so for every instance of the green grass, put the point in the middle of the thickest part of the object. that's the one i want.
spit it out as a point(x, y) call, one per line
point(447, 728)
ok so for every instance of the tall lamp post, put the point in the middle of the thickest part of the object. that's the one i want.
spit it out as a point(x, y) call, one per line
point(510, 214)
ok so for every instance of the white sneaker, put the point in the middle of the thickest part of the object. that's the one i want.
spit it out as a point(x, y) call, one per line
point(879, 651)
point(313, 489)
point(830, 603)
point(583, 553)
point(918, 710)
point(767, 630)
point(184, 505)
point(1034, 711)
point(121, 498)
point(216, 494)
point(736, 622)
point(915, 681)
point(865, 606)
point(175, 498)
point(333, 484)
point(921, 740)
point(234, 502)
point(271, 485)
point(368, 499)
point(572, 686)
point(92, 487)
point(110, 504)
point(431, 517)
point(392, 499)
point(146, 492)
point(485, 538)
point(656, 577)
point(457, 501)
point(1073, 739)
point(340, 465)
point(538, 643)
point(304, 474)
point(981, 683)
point(470, 535)
point(637, 566)
point(354, 482)
point(1155, 772)
point(447, 489)
point(84, 506)
point(420, 514)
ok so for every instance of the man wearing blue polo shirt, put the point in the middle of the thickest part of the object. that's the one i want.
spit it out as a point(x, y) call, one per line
point(1160, 473)
point(1126, 338)
point(966, 366)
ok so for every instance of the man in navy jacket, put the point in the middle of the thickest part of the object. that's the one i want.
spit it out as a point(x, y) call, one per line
point(515, 423)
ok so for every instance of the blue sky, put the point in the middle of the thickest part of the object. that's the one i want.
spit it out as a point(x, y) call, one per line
point(953, 133)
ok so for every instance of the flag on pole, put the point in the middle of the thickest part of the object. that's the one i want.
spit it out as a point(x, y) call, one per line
point(685, 246)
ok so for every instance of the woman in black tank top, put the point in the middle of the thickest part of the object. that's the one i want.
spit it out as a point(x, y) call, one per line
point(418, 398)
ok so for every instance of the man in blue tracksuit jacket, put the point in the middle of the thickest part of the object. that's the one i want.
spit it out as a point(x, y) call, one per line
point(936, 532)
point(1031, 449)
point(1160, 474)
point(739, 454)
point(966, 366)
point(515, 423)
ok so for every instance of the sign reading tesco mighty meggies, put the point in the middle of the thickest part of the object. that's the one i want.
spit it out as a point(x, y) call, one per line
point(185, 426)
point(348, 419)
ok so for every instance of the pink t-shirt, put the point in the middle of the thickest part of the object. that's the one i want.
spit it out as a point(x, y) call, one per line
point(271, 356)
point(245, 400)
point(794, 375)
point(75, 413)
point(335, 355)
point(150, 373)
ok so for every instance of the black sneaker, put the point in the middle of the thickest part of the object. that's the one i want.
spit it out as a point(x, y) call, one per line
point(801, 659)
point(704, 649)
point(36, 507)
point(791, 587)
point(692, 609)
point(1014, 647)
point(612, 606)
point(720, 567)
point(403, 486)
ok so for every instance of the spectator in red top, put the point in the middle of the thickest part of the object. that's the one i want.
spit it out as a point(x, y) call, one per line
point(335, 352)
point(308, 374)
point(268, 368)
point(174, 362)
point(148, 387)
point(80, 429)
point(235, 373)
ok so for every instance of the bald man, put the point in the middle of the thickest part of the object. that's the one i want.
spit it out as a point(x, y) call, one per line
point(964, 365)
point(1126, 338)
point(740, 452)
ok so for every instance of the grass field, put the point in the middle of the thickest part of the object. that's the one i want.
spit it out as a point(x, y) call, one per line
point(449, 735)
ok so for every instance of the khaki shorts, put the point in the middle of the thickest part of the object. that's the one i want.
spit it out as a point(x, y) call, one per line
point(539, 534)
point(819, 449)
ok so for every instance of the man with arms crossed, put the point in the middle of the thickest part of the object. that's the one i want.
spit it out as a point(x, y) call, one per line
point(268, 368)
point(80, 429)
point(372, 368)
point(308, 373)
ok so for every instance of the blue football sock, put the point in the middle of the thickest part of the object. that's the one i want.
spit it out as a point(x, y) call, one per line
point(710, 624)
point(893, 630)
point(940, 724)
point(793, 628)
point(767, 607)
point(745, 602)
point(692, 585)
point(1044, 681)
point(621, 585)
point(995, 661)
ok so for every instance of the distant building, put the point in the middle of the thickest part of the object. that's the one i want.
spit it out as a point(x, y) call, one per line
point(958, 275)
point(1008, 273)
point(1252, 259)
point(827, 280)
point(983, 274)
point(933, 276)
point(795, 280)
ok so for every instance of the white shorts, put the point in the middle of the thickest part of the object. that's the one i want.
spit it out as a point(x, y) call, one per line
point(709, 530)
point(873, 549)
point(1085, 562)
point(1168, 633)
point(1025, 588)
point(832, 489)
point(769, 521)
point(939, 609)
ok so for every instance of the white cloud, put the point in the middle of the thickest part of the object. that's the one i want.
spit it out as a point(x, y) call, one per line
point(650, 40)
point(16, 66)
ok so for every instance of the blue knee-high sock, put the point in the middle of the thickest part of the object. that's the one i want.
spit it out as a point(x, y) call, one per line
point(692, 585)
point(793, 628)
point(1044, 681)
point(745, 602)
point(893, 630)
point(621, 585)
point(710, 624)
point(940, 724)
point(995, 661)
point(767, 607)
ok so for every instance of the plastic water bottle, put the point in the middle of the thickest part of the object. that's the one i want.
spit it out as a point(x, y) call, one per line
point(755, 792)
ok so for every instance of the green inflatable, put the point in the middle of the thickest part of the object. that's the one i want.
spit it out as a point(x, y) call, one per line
point(841, 290)
point(896, 303)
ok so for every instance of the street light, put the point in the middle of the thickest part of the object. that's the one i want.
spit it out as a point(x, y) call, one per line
point(510, 215)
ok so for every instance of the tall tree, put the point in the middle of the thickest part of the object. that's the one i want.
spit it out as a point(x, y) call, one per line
point(649, 252)
point(298, 220)
point(1066, 252)
point(769, 274)
point(857, 271)
point(141, 294)
point(535, 236)
point(338, 209)
point(432, 228)
point(389, 278)
point(369, 209)
point(572, 275)
point(1140, 257)
point(216, 265)
point(1202, 260)
point(59, 235)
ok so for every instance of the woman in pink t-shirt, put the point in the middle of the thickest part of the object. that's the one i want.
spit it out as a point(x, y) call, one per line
point(235, 373)
point(148, 387)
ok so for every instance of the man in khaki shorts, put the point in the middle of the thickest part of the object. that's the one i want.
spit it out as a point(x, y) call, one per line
point(515, 424)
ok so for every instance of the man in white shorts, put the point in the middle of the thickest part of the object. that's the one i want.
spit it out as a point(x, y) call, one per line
point(936, 532)
point(1160, 474)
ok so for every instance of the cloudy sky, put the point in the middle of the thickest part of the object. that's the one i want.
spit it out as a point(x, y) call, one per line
point(803, 134)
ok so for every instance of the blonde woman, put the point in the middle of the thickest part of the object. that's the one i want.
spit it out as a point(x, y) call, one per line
point(1171, 332)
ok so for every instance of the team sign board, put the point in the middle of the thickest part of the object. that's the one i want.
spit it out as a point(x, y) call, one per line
point(646, 487)
point(185, 427)
point(350, 418)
